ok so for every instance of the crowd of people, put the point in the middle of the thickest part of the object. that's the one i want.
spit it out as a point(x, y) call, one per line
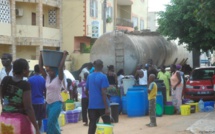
point(28, 102)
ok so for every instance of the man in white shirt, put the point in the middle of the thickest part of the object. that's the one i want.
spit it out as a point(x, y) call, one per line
point(7, 70)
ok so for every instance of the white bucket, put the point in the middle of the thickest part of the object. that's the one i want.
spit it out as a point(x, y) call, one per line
point(127, 83)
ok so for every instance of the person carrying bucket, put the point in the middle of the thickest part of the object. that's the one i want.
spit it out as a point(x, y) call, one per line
point(96, 86)
point(152, 92)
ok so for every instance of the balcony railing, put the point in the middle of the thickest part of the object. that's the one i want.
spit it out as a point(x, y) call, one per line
point(124, 22)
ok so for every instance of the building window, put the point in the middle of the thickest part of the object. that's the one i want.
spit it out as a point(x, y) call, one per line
point(141, 24)
point(109, 14)
point(52, 17)
point(135, 23)
point(5, 11)
point(94, 8)
point(95, 29)
point(33, 19)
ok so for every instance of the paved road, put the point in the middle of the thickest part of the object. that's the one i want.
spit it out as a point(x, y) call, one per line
point(197, 123)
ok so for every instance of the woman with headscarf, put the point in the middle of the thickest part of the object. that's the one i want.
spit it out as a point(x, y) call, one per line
point(54, 81)
point(177, 87)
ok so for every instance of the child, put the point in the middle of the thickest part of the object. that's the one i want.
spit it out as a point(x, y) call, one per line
point(152, 92)
point(84, 99)
point(72, 88)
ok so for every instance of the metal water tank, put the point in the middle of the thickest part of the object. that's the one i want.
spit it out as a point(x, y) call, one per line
point(127, 50)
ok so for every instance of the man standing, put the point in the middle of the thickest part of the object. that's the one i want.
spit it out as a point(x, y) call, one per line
point(7, 70)
point(37, 83)
point(96, 87)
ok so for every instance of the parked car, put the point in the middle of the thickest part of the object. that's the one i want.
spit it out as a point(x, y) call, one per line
point(201, 84)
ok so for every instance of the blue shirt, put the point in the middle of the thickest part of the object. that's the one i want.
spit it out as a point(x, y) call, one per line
point(96, 81)
point(37, 83)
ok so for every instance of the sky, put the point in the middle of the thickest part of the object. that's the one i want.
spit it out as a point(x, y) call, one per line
point(157, 5)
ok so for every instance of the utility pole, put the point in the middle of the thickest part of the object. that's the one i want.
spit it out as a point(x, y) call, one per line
point(104, 16)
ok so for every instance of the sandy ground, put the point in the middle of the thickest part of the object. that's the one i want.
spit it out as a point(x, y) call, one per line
point(167, 124)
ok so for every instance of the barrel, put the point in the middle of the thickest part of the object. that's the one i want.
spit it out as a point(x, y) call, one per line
point(124, 105)
point(116, 99)
point(161, 87)
point(145, 89)
point(159, 101)
point(135, 103)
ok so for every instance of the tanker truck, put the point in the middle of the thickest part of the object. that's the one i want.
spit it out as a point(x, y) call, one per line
point(127, 50)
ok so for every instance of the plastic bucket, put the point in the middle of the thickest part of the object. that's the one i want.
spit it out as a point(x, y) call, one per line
point(168, 109)
point(52, 58)
point(104, 128)
point(185, 109)
point(209, 103)
point(127, 83)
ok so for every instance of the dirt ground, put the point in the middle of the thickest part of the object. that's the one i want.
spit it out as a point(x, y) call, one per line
point(167, 124)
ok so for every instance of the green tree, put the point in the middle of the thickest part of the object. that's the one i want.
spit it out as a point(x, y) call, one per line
point(205, 13)
point(182, 20)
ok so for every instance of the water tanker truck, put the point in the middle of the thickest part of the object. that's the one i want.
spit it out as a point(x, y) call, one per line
point(127, 50)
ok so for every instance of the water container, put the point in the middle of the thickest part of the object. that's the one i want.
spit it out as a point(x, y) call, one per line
point(135, 103)
point(209, 103)
point(201, 105)
point(124, 105)
point(116, 99)
point(145, 89)
point(208, 109)
point(127, 83)
point(51, 58)
point(159, 101)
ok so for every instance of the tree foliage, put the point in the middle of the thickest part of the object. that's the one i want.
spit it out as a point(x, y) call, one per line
point(187, 21)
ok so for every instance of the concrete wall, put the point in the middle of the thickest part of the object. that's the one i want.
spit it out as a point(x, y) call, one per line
point(28, 9)
point(5, 29)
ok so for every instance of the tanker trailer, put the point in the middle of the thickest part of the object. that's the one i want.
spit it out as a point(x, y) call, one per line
point(127, 50)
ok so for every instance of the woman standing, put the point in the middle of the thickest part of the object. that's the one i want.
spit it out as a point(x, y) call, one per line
point(165, 76)
point(177, 87)
point(54, 81)
point(17, 111)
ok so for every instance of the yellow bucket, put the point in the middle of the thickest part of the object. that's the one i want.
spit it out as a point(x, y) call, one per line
point(104, 128)
point(196, 105)
point(65, 96)
point(185, 109)
point(69, 106)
